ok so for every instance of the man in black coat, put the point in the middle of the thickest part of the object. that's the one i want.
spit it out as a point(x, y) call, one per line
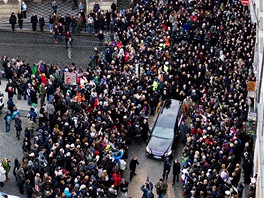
point(20, 19)
point(41, 23)
point(34, 21)
point(132, 167)
point(176, 171)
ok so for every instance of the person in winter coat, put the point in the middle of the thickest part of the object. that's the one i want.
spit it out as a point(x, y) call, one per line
point(132, 167)
point(8, 120)
point(147, 189)
point(24, 9)
point(20, 19)
point(15, 113)
point(16, 166)
point(67, 193)
point(29, 188)
point(112, 192)
point(13, 21)
point(34, 21)
point(124, 188)
point(122, 165)
point(41, 23)
point(18, 127)
point(6, 165)
point(33, 95)
point(20, 179)
point(117, 179)
point(161, 188)
point(183, 131)
point(138, 130)
point(2, 175)
point(73, 24)
point(166, 168)
point(145, 130)
point(176, 171)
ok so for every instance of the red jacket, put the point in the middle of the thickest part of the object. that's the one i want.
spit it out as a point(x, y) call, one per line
point(117, 179)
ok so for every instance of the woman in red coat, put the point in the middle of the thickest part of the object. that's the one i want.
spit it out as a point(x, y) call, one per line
point(44, 79)
point(117, 179)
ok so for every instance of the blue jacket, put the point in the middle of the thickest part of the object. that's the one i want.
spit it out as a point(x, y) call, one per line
point(67, 193)
point(116, 157)
point(146, 191)
point(91, 167)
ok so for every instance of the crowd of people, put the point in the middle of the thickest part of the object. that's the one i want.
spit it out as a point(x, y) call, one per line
point(199, 52)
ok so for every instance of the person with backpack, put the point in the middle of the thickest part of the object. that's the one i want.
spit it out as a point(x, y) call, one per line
point(18, 127)
point(8, 120)
point(147, 189)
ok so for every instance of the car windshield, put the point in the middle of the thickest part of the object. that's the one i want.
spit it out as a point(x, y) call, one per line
point(163, 132)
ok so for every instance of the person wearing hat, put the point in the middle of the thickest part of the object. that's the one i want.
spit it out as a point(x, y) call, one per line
point(161, 188)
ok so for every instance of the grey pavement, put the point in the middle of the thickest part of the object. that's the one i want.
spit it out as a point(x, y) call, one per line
point(10, 147)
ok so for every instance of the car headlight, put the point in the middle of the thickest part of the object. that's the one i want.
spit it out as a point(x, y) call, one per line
point(168, 153)
point(148, 150)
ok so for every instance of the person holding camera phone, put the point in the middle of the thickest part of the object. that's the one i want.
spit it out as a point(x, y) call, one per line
point(147, 189)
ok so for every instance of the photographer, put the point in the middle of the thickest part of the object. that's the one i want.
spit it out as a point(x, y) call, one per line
point(147, 189)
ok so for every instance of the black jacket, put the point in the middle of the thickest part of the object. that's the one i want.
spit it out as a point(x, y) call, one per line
point(41, 21)
point(133, 164)
point(12, 19)
point(176, 168)
point(167, 166)
point(34, 19)
point(20, 16)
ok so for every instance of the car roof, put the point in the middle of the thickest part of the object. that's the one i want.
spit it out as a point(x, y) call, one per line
point(168, 113)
